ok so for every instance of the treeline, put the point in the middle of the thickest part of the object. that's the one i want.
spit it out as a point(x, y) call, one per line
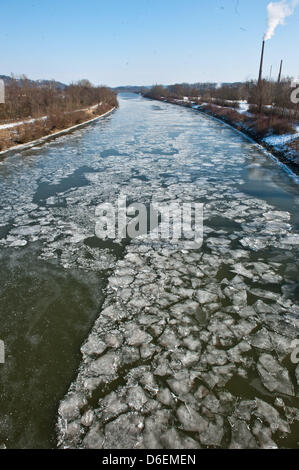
point(48, 108)
point(271, 110)
point(267, 97)
point(27, 99)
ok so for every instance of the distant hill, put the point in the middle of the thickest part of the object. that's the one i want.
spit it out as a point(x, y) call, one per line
point(59, 85)
point(130, 89)
point(201, 86)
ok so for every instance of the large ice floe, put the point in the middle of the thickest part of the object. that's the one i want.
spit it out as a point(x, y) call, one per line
point(191, 348)
point(182, 357)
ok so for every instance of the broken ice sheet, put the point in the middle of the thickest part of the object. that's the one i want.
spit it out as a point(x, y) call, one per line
point(182, 333)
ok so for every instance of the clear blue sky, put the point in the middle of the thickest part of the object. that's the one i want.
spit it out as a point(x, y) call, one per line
point(120, 42)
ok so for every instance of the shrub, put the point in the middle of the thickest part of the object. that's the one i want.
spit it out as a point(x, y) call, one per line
point(282, 126)
point(227, 104)
point(260, 126)
point(25, 98)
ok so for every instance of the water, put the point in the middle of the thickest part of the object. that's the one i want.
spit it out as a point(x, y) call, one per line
point(55, 280)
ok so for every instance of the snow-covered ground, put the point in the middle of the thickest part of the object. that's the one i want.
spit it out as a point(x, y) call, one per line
point(43, 118)
point(19, 123)
point(276, 141)
point(280, 140)
point(243, 107)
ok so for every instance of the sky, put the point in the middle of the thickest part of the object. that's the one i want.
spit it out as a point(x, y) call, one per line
point(143, 42)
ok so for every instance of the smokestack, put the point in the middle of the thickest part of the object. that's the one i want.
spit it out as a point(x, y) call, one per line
point(280, 70)
point(262, 62)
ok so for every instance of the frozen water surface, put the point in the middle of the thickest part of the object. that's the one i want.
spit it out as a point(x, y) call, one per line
point(179, 348)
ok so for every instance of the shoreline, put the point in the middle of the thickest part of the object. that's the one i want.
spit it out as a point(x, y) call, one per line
point(46, 138)
point(279, 157)
point(263, 146)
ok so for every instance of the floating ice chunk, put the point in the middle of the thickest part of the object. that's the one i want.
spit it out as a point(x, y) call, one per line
point(125, 432)
point(129, 355)
point(292, 239)
point(71, 434)
point(244, 410)
point(112, 405)
point(18, 243)
point(247, 312)
point(241, 435)
point(147, 350)
point(30, 230)
point(271, 278)
point(93, 346)
point(263, 436)
point(271, 416)
point(70, 408)
point(243, 328)
point(238, 297)
point(105, 365)
point(214, 356)
point(237, 354)
point(192, 343)
point(172, 440)
point(218, 242)
point(255, 244)
point(169, 340)
point(239, 269)
point(214, 434)
point(261, 340)
point(120, 281)
point(186, 308)
point(136, 398)
point(204, 296)
point(164, 396)
point(94, 439)
point(135, 336)
point(186, 358)
point(265, 294)
point(113, 339)
point(191, 420)
point(262, 307)
point(282, 345)
point(274, 377)
point(87, 418)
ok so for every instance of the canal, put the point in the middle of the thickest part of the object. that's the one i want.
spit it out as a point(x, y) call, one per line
point(142, 344)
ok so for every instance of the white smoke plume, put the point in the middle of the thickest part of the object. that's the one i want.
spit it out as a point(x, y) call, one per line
point(277, 13)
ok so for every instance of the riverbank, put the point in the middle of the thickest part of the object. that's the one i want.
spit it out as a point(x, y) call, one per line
point(283, 150)
point(55, 133)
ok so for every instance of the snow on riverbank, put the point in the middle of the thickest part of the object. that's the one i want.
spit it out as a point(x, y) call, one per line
point(46, 138)
point(280, 140)
point(20, 123)
point(281, 146)
point(243, 107)
point(43, 118)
